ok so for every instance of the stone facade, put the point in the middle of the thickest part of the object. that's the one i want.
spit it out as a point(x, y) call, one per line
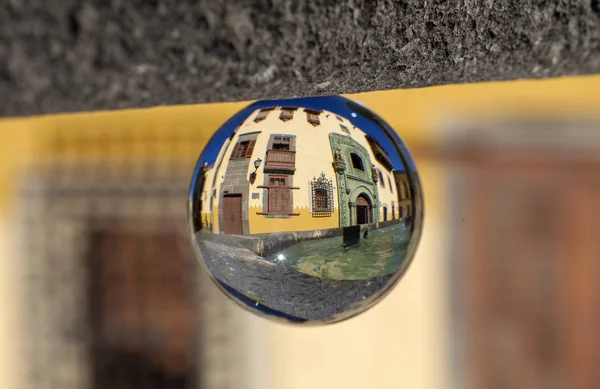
point(236, 181)
point(353, 182)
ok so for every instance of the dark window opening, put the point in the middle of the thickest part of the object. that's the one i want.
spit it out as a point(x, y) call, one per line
point(385, 214)
point(391, 186)
point(363, 210)
point(321, 200)
point(381, 180)
point(123, 292)
point(243, 149)
point(357, 162)
point(404, 186)
point(401, 190)
point(286, 114)
point(313, 117)
point(345, 129)
point(338, 117)
point(282, 143)
point(262, 114)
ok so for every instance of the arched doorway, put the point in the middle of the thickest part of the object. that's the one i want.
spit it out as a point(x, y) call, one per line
point(363, 209)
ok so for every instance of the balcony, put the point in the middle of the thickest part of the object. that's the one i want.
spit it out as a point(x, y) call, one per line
point(281, 161)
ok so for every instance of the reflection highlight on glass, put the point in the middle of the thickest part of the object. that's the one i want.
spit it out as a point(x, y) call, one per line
point(306, 210)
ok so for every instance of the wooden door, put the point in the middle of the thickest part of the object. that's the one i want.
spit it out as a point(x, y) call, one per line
point(363, 210)
point(232, 214)
point(527, 296)
point(142, 313)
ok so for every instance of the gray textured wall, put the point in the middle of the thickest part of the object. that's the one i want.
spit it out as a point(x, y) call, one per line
point(73, 55)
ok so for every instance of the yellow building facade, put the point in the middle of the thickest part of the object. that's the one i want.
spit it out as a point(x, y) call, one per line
point(403, 342)
point(295, 169)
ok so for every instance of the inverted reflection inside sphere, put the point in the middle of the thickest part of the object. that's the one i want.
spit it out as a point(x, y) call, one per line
point(306, 210)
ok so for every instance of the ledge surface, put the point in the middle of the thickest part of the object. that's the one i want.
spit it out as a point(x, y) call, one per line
point(83, 55)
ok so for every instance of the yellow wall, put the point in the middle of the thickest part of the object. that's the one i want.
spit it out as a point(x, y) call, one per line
point(303, 222)
point(402, 342)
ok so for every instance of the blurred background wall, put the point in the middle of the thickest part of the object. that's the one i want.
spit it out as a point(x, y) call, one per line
point(78, 191)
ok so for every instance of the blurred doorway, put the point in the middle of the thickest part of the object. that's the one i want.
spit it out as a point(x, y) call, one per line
point(113, 295)
point(526, 259)
point(142, 312)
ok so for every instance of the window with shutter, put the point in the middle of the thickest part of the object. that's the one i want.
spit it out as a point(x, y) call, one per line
point(262, 114)
point(286, 114)
point(250, 149)
point(243, 149)
point(278, 195)
point(234, 152)
point(313, 117)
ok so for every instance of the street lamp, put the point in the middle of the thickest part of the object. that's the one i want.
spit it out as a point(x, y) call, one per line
point(257, 162)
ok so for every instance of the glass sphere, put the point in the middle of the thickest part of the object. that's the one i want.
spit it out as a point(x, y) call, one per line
point(305, 210)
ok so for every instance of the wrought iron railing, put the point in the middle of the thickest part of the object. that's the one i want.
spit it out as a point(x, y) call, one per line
point(322, 196)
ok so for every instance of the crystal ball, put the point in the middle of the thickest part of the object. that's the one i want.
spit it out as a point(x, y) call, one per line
point(305, 210)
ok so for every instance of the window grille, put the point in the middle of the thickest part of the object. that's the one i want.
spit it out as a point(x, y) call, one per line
point(322, 196)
